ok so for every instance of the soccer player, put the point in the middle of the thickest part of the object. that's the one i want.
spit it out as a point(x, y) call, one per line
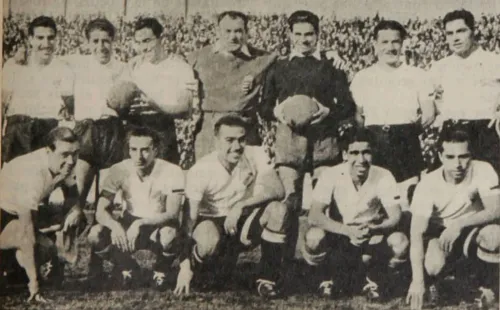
point(469, 82)
point(394, 101)
point(167, 82)
point(26, 182)
point(353, 218)
point(152, 190)
point(455, 210)
point(37, 96)
point(306, 71)
point(231, 72)
point(234, 203)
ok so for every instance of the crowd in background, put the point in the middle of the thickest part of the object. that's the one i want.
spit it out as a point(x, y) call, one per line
point(351, 38)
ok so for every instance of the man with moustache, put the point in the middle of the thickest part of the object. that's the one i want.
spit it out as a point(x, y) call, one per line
point(470, 83)
point(26, 181)
point(230, 74)
point(395, 101)
point(306, 71)
point(353, 221)
point(455, 211)
point(35, 97)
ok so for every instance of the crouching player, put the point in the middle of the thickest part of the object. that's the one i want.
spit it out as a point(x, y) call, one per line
point(26, 182)
point(234, 203)
point(152, 191)
point(353, 216)
point(455, 213)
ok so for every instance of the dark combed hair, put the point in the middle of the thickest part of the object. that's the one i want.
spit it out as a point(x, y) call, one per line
point(467, 17)
point(453, 136)
point(151, 23)
point(144, 132)
point(304, 17)
point(230, 120)
point(390, 25)
point(60, 134)
point(234, 15)
point(356, 134)
point(100, 24)
point(42, 21)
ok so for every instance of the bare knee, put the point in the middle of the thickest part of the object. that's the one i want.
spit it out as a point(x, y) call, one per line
point(206, 236)
point(275, 216)
point(95, 236)
point(167, 236)
point(313, 239)
point(434, 258)
point(488, 241)
point(399, 244)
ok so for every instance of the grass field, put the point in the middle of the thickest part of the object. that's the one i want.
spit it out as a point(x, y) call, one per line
point(239, 295)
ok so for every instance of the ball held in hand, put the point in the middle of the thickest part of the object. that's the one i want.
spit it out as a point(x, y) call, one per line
point(298, 111)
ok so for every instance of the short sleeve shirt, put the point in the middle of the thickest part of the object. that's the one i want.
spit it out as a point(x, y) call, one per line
point(391, 97)
point(37, 91)
point(26, 181)
point(442, 202)
point(146, 197)
point(336, 189)
point(217, 189)
point(470, 86)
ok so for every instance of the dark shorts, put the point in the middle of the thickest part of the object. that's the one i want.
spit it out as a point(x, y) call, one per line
point(248, 234)
point(6, 218)
point(397, 148)
point(305, 150)
point(24, 134)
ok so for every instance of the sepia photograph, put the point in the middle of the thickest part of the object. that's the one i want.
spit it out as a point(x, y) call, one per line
point(250, 154)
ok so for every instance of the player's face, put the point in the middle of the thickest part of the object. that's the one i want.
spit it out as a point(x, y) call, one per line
point(63, 158)
point(359, 157)
point(456, 158)
point(232, 33)
point(388, 46)
point(147, 44)
point(100, 43)
point(43, 42)
point(231, 142)
point(142, 152)
point(459, 37)
point(304, 38)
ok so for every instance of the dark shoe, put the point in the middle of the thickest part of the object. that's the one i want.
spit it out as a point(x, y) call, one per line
point(434, 296)
point(371, 291)
point(326, 289)
point(485, 298)
point(267, 289)
point(159, 280)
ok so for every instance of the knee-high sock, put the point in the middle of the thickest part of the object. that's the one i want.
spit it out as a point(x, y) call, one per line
point(273, 249)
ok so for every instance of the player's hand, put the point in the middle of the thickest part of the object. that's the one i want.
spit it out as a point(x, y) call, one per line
point(132, 234)
point(232, 220)
point(415, 297)
point(358, 234)
point(184, 279)
point(247, 84)
point(338, 62)
point(73, 219)
point(321, 114)
point(448, 238)
point(119, 239)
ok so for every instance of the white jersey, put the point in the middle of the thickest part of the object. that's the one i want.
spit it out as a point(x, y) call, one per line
point(444, 202)
point(470, 86)
point(145, 197)
point(37, 90)
point(26, 181)
point(336, 189)
point(217, 189)
point(92, 84)
point(391, 97)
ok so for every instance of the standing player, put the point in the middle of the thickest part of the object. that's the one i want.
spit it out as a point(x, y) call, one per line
point(234, 196)
point(26, 182)
point(37, 96)
point(360, 226)
point(394, 101)
point(231, 72)
point(455, 210)
point(168, 85)
point(306, 71)
point(152, 190)
point(470, 82)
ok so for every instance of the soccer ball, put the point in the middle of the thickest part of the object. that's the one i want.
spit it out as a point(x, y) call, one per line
point(298, 110)
point(122, 95)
